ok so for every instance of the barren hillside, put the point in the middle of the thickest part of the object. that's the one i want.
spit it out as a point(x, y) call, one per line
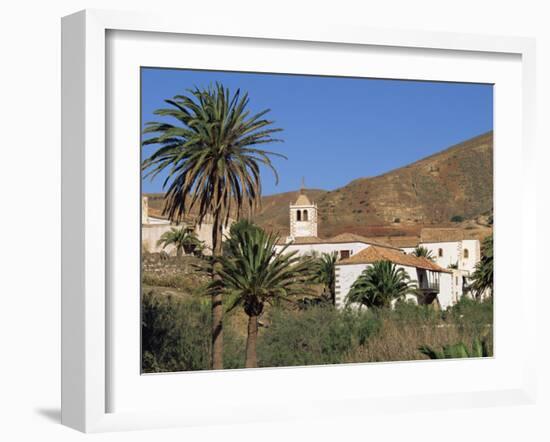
point(455, 182)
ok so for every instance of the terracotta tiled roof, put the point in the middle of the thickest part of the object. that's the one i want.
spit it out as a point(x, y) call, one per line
point(395, 241)
point(442, 234)
point(373, 254)
point(302, 240)
point(338, 239)
point(404, 241)
point(302, 200)
point(352, 237)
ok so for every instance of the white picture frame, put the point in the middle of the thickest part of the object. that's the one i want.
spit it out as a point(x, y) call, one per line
point(86, 315)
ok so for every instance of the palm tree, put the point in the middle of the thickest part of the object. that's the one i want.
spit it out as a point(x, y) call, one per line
point(254, 273)
point(212, 165)
point(235, 231)
point(380, 284)
point(325, 273)
point(423, 252)
point(483, 273)
point(185, 240)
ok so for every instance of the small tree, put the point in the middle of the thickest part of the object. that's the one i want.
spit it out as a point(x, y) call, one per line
point(380, 284)
point(457, 218)
point(325, 273)
point(253, 273)
point(423, 252)
point(235, 231)
point(184, 240)
point(483, 273)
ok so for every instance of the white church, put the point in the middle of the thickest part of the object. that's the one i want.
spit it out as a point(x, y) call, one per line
point(436, 280)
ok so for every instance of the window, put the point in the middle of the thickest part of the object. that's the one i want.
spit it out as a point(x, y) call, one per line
point(305, 215)
point(298, 215)
point(440, 253)
point(344, 254)
point(466, 254)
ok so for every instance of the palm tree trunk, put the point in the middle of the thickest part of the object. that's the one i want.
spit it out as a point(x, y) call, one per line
point(251, 359)
point(217, 307)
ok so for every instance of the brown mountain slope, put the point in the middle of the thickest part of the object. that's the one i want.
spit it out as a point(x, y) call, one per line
point(456, 181)
point(429, 192)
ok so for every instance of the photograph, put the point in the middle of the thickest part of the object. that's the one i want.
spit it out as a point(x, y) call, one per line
point(293, 220)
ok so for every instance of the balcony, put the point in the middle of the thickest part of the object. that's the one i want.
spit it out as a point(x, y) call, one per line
point(429, 286)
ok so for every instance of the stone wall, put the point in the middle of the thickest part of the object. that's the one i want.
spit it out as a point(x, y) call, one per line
point(171, 265)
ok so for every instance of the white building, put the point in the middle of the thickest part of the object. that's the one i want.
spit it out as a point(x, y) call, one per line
point(303, 237)
point(154, 225)
point(436, 282)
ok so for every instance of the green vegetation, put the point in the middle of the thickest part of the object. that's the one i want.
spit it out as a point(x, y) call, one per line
point(423, 252)
point(381, 284)
point(483, 274)
point(318, 335)
point(324, 270)
point(254, 274)
point(213, 166)
point(176, 333)
point(479, 349)
point(457, 218)
point(184, 240)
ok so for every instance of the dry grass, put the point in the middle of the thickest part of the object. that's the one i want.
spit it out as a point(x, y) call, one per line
point(400, 342)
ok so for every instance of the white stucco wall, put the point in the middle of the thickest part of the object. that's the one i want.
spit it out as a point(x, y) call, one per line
point(347, 274)
point(151, 233)
point(453, 252)
point(345, 277)
point(445, 295)
point(474, 254)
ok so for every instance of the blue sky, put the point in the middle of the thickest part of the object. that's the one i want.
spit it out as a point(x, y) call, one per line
point(338, 129)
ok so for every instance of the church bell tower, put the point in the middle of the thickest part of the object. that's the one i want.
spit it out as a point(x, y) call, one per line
point(303, 216)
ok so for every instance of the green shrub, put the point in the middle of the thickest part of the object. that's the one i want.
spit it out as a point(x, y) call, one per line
point(457, 218)
point(408, 313)
point(479, 349)
point(471, 315)
point(175, 333)
point(317, 335)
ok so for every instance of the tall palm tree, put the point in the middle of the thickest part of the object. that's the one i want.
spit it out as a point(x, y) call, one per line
point(213, 164)
point(325, 272)
point(253, 273)
point(380, 284)
point(483, 273)
point(423, 252)
point(183, 239)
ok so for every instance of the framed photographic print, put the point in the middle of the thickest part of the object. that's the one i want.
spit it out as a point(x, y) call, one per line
point(275, 210)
